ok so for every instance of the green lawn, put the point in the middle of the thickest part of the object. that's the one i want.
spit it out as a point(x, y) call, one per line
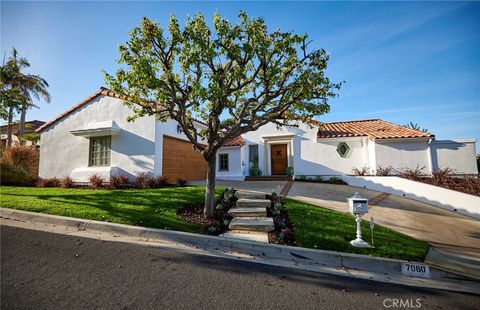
point(147, 207)
point(315, 227)
point(320, 228)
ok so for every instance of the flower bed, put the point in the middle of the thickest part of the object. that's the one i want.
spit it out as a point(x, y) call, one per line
point(216, 225)
point(284, 232)
point(469, 185)
point(142, 181)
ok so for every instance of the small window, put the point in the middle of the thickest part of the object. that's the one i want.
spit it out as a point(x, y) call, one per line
point(99, 151)
point(223, 162)
point(343, 149)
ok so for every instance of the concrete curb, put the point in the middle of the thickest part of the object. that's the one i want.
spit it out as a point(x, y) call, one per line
point(344, 264)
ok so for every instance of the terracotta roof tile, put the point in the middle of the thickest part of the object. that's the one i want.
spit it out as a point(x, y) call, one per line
point(237, 141)
point(371, 128)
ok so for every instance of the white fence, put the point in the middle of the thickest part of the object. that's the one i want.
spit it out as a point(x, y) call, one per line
point(465, 204)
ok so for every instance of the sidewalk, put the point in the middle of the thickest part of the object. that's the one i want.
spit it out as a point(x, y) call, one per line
point(344, 264)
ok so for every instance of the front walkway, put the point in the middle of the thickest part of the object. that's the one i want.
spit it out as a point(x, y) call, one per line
point(410, 217)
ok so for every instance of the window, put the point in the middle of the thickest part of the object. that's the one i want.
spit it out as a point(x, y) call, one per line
point(253, 154)
point(223, 162)
point(343, 149)
point(99, 151)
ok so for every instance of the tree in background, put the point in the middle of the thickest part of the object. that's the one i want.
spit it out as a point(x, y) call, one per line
point(234, 77)
point(415, 126)
point(17, 89)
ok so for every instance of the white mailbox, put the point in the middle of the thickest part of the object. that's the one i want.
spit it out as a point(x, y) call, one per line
point(357, 204)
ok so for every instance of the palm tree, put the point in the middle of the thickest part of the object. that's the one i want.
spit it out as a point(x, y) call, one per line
point(415, 126)
point(23, 87)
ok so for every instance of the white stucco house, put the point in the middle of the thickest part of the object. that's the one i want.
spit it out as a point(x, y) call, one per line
point(94, 137)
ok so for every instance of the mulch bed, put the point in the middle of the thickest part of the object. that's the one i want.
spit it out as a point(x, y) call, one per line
point(468, 185)
point(216, 225)
point(194, 213)
point(284, 232)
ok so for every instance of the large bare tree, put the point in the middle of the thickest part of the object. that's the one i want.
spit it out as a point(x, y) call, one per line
point(236, 77)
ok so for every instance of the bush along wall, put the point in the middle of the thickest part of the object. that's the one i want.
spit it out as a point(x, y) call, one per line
point(142, 181)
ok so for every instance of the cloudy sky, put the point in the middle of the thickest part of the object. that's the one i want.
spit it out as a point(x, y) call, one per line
point(402, 61)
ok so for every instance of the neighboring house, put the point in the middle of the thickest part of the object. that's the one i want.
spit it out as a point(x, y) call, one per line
point(30, 128)
point(94, 137)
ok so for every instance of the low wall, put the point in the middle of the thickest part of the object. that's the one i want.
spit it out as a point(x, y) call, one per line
point(437, 196)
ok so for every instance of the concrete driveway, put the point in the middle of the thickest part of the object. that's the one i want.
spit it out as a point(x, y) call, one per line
point(410, 217)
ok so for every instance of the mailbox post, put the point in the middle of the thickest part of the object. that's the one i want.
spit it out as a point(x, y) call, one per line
point(358, 206)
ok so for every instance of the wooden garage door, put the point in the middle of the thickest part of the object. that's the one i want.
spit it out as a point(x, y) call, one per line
point(181, 161)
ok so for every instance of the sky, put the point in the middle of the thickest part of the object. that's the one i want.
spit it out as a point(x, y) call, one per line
point(401, 61)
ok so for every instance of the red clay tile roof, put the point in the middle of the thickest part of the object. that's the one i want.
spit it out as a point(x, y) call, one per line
point(237, 141)
point(102, 91)
point(371, 128)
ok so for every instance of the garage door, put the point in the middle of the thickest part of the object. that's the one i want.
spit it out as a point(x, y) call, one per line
point(181, 161)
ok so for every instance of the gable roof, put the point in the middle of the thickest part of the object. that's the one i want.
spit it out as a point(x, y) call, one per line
point(237, 141)
point(102, 91)
point(371, 128)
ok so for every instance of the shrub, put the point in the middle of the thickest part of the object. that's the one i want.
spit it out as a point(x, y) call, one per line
point(182, 182)
point(144, 181)
point(161, 181)
point(318, 178)
point(95, 181)
point(441, 176)
point(290, 171)
point(384, 171)
point(119, 181)
point(470, 185)
point(360, 172)
point(19, 165)
point(412, 174)
point(67, 182)
point(303, 177)
point(49, 182)
point(334, 179)
point(14, 176)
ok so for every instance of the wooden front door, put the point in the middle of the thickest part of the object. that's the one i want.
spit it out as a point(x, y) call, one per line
point(279, 159)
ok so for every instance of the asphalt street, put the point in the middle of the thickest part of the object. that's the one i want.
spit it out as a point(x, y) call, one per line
point(42, 270)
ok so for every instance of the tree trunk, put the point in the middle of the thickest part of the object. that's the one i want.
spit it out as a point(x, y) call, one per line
point(210, 187)
point(9, 127)
point(21, 125)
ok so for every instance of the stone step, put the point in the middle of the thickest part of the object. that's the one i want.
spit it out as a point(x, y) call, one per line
point(248, 212)
point(253, 224)
point(252, 203)
point(249, 195)
point(242, 235)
